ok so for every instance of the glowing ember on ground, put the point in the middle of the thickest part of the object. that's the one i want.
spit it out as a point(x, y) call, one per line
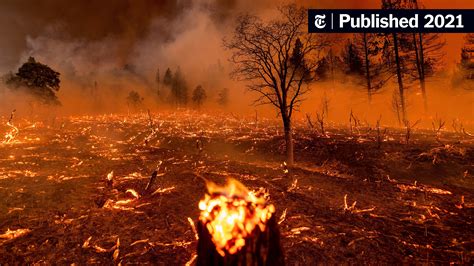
point(232, 213)
point(11, 234)
point(11, 135)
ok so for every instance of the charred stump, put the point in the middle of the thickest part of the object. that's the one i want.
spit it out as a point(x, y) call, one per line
point(261, 248)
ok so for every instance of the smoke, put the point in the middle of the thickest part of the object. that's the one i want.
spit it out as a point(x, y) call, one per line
point(104, 49)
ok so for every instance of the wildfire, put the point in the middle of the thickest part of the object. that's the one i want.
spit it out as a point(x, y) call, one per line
point(231, 213)
point(9, 136)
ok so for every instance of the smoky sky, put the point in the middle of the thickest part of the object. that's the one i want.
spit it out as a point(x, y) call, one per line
point(92, 20)
point(120, 45)
point(123, 25)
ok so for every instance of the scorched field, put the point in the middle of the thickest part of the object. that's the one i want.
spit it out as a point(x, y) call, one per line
point(125, 189)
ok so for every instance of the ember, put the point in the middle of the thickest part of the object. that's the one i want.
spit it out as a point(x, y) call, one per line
point(11, 135)
point(234, 217)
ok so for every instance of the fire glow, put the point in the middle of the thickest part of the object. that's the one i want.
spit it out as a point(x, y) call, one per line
point(11, 135)
point(231, 213)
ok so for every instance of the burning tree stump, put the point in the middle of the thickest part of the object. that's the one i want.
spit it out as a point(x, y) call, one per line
point(262, 248)
point(236, 227)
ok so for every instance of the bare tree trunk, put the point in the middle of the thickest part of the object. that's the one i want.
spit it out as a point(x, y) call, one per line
point(399, 77)
point(420, 68)
point(288, 140)
point(367, 68)
point(421, 63)
point(422, 76)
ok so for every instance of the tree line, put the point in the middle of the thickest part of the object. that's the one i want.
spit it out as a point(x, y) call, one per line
point(279, 61)
point(173, 88)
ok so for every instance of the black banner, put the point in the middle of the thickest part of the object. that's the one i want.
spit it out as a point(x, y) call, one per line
point(386, 21)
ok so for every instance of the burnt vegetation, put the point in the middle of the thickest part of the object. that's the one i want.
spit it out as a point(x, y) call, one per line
point(180, 179)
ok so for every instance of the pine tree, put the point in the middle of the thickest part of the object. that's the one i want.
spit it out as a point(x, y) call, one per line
point(199, 96)
point(393, 48)
point(323, 69)
point(223, 97)
point(158, 82)
point(420, 53)
point(467, 57)
point(134, 99)
point(168, 77)
point(465, 79)
point(352, 59)
point(179, 89)
point(362, 58)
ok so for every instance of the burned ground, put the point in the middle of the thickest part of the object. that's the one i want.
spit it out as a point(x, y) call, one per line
point(414, 202)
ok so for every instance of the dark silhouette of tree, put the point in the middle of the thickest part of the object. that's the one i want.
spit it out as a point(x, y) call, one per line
point(420, 54)
point(465, 78)
point(38, 80)
point(179, 89)
point(223, 97)
point(134, 99)
point(158, 82)
point(362, 58)
point(323, 69)
point(94, 90)
point(393, 54)
point(425, 51)
point(467, 56)
point(352, 59)
point(168, 78)
point(277, 59)
point(199, 96)
point(428, 55)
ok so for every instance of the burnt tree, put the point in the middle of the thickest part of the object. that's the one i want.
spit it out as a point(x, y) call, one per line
point(262, 248)
point(393, 53)
point(277, 59)
point(361, 58)
point(427, 52)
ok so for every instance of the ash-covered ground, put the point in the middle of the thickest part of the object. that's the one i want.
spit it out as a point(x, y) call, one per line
point(73, 189)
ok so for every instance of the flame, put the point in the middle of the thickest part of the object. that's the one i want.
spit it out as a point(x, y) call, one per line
point(231, 213)
point(9, 136)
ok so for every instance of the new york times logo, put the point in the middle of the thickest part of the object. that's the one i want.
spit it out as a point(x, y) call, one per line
point(320, 21)
point(386, 21)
